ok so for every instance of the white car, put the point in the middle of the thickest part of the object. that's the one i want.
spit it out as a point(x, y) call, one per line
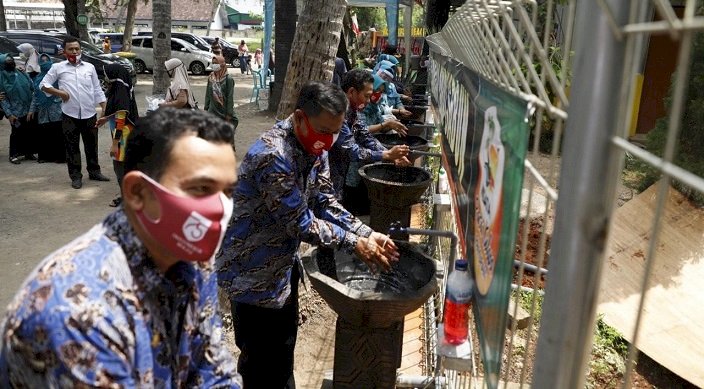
point(196, 61)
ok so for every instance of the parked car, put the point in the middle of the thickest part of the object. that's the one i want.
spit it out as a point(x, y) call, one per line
point(115, 40)
point(10, 47)
point(52, 43)
point(196, 61)
point(229, 51)
point(193, 39)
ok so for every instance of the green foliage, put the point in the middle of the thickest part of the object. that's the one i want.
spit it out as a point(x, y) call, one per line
point(607, 336)
point(525, 301)
point(689, 151)
point(369, 17)
point(547, 132)
point(418, 17)
point(609, 352)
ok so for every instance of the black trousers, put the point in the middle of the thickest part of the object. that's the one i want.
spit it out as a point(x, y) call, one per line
point(119, 168)
point(74, 129)
point(51, 142)
point(20, 138)
point(266, 358)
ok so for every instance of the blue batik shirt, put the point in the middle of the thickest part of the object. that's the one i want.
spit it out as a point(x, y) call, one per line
point(98, 313)
point(283, 196)
point(355, 146)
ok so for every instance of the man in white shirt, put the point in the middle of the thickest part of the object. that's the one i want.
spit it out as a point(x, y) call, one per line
point(79, 89)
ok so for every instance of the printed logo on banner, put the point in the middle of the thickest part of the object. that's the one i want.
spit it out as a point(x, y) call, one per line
point(485, 139)
point(488, 207)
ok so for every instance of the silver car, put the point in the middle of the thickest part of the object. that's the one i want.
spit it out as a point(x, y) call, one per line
point(196, 61)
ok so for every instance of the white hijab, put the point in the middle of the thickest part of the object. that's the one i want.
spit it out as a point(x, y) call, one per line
point(179, 81)
point(32, 63)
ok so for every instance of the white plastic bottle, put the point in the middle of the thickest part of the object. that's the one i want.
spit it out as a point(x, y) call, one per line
point(458, 299)
point(443, 183)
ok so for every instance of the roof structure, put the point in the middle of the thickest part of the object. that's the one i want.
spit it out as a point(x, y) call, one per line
point(181, 10)
point(237, 17)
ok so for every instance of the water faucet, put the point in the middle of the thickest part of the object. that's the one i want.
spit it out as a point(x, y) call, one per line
point(396, 230)
point(416, 153)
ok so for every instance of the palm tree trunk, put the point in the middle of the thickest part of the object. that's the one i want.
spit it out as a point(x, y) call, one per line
point(314, 48)
point(161, 12)
point(129, 25)
point(216, 3)
point(3, 21)
point(284, 30)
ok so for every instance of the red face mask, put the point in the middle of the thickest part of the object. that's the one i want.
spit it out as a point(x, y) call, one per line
point(189, 228)
point(314, 142)
point(359, 104)
point(376, 96)
point(72, 58)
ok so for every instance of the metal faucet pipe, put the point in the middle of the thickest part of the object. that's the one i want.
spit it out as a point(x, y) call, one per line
point(416, 153)
point(530, 268)
point(417, 381)
point(396, 229)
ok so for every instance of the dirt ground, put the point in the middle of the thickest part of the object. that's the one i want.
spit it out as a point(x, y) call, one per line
point(40, 212)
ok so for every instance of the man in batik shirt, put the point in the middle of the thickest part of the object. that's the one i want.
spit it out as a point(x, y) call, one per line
point(284, 196)
point(133, 302)
point(356, 145)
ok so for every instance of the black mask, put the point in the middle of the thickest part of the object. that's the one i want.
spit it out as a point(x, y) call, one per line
point(10, 66)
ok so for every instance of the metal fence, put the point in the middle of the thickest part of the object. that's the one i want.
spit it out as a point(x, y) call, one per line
point(528, 48)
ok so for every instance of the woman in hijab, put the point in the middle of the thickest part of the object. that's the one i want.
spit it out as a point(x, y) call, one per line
point(374, 114)
point(219, 93)
point(121, 112)
point(31, 65)
point(47, 111)
point(179, 94)
point(18, 89)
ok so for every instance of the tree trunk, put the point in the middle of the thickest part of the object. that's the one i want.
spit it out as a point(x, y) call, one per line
point(70, 13)
point(129, 25)
point(161, 11)
point(82, 29)
point(3, 21)
point(216, 3)
point(314, 47)
point(285, 29)
point(437, 13)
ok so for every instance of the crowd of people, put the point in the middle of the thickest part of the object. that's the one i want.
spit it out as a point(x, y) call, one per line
point(52, 106)
point(133, 302)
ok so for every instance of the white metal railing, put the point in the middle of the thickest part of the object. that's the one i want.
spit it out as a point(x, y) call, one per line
point(526, 47)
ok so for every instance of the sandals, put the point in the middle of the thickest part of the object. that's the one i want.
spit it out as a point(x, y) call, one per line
point(116, 202)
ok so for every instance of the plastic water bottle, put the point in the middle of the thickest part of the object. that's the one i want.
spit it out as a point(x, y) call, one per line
point(443, 183)
point(458, 298)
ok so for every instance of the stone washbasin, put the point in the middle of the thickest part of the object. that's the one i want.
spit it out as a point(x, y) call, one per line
point(363, 298)
point(392, 191)
point(413, 142)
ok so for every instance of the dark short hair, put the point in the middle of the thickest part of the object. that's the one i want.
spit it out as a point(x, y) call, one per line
point(150, 143)
point(70, 39)
point(316, 96)
point(356, 78)
point(390, 49)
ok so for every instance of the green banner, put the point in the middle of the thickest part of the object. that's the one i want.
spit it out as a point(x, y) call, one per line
point(485, 137)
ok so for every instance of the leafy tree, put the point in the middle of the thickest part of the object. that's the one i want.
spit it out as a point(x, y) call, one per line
point(368, 17)
point(690, 145)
